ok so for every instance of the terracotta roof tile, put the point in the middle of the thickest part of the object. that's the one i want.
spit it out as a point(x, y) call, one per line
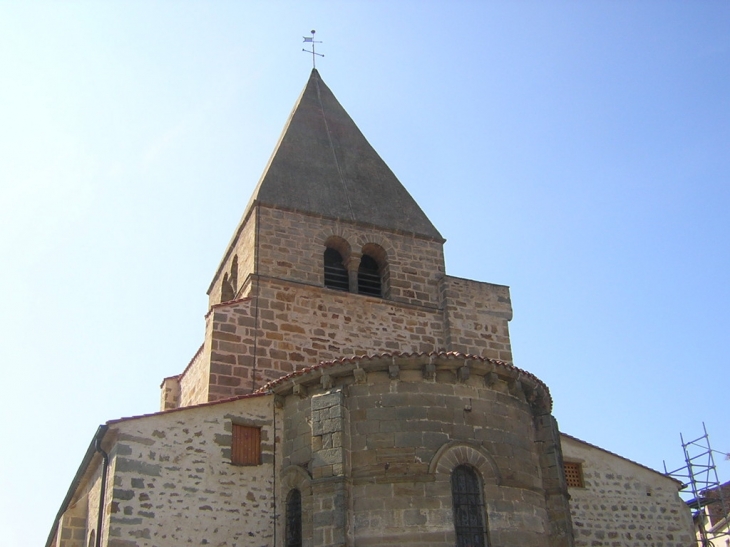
point(183, 408)
point(619, 456)
point(369, 357)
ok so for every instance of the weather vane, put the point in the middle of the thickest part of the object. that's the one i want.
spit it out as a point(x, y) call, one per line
point(312, 41)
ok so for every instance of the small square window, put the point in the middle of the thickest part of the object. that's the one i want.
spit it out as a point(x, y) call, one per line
point(246, 445)
point(573, 474)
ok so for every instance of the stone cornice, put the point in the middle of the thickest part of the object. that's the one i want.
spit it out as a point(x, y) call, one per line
point(461, 366)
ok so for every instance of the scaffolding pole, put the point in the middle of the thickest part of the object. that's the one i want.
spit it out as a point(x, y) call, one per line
point(699, 474)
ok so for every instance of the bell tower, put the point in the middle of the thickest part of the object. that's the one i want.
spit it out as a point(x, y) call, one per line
point(332, 259)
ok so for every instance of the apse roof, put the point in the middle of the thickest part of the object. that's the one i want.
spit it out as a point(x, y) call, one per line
point(324, 165)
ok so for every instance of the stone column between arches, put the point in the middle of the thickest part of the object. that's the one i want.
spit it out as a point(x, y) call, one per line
point(352, 264)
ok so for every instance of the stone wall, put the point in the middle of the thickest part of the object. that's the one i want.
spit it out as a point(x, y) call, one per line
point(72, 526)
point(300, 325)
point(399, 486)
point(386, 434)
point(313, 324)
point(93, 499)
point(174, 483)
point(170, 392)
point(290, 246)
point(243, 248)
point(553, 480)
point(230, 346)
point(330, 468)
point(77, 526)
point(285, 319)
point(477, 316)
point(624, 503)
point(194, 380)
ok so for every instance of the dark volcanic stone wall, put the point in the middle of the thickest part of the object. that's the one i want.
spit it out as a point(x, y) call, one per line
point(387, 433)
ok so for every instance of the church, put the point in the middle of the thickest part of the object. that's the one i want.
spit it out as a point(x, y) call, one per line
point(348, 392)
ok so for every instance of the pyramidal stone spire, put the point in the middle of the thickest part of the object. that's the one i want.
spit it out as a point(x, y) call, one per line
point(323, 165)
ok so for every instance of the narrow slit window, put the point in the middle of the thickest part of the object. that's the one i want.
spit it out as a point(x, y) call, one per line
point(335, 273)
point(294, 519)
point(368, 277)
point(246, 445)
point(233, 280)
point(573, 474)
point(469, 518)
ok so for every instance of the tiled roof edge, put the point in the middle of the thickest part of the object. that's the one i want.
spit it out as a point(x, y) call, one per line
point(227, 303)
point(369, 357)
point(183, 408)
point(620, 456)
point(187, 367)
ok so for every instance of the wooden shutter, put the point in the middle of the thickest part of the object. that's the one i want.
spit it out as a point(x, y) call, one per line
point(246, 445)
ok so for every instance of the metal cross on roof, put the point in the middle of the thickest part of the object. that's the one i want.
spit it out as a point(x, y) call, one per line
point(312, 41)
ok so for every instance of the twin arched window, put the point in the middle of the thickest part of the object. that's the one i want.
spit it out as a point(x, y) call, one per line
point(370, 272)
point(294, 519)
point(469, 515)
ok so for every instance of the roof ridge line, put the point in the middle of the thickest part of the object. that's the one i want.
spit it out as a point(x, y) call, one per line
point(332, 147)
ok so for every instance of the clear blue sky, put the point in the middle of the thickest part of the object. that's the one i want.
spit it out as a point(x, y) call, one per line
point(576, 151)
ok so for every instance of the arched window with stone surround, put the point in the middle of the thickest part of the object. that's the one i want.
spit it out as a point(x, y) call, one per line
point(368, 277)
point(227, 293)
point(468, 505)
point(294, 518)
point(372, 274)
point(229, 285)
point(335, 273)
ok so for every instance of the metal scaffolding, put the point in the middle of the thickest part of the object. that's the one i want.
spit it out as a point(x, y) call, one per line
point(700, 481)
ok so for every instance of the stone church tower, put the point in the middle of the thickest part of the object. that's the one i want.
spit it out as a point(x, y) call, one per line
point(335, 267)
point(332, 258)
point(350, 393)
